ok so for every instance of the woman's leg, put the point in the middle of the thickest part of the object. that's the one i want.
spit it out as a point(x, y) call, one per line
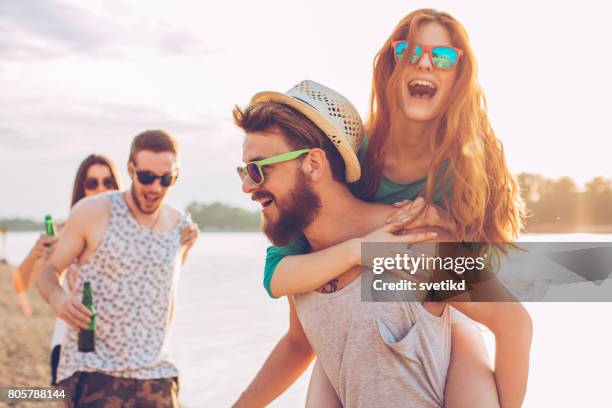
point(470, 382)
point(321, 394)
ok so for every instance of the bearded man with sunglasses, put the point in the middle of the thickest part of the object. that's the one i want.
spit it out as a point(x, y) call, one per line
point(128, 245)
point(300, 150)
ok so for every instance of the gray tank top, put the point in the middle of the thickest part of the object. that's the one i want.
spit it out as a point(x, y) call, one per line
point(378, 354)
point(133, 274)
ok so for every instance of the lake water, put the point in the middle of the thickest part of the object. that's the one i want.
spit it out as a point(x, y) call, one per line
point(226, 325)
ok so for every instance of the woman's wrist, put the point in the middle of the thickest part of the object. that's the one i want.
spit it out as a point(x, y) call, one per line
point(354, 250)
point(30, 259)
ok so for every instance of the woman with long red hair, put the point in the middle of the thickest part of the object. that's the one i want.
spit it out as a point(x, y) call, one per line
point(432, 151)
point(428, 122)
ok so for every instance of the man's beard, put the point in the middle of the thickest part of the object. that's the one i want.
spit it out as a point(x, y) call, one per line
point(139, 204)
point(295, 214)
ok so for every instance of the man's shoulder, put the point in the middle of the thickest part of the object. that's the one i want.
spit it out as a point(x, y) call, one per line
point(173, 214)
point(92, 206)
point(173, 211)
point(88, 213)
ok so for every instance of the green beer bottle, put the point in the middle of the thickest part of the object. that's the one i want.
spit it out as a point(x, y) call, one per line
point(50, 227)
point(87, 337)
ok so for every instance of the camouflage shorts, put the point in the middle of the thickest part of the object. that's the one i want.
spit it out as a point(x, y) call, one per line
point(97, 390)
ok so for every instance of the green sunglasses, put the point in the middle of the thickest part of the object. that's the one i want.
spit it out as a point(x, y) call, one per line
point(254, 169)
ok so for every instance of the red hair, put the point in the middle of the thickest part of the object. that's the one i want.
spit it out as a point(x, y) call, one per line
point(485, 201)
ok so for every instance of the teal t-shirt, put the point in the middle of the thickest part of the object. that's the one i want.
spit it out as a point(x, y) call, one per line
point(388, 192)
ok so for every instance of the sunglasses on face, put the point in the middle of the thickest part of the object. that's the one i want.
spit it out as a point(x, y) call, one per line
point(254, 169)
point(441, 56)
point(148, 177)
point(93, 183)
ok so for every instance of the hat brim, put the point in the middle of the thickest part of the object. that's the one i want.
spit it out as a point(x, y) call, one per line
point(351, 162)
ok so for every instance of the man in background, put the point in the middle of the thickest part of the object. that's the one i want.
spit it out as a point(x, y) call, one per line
point(128, 246)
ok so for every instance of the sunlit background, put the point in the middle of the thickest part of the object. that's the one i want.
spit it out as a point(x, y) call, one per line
point(86, 76)
point(78, 77)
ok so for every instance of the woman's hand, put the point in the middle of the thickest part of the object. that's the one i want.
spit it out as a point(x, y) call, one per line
point(43, 248)
point(72, 277)
point(189, 236)
point(396, 233)
point(390, 233)
point(413, 214)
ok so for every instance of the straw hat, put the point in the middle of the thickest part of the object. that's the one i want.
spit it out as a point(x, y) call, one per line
point(331, 112)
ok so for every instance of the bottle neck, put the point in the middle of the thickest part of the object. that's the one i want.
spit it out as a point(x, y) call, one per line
point(87, 295)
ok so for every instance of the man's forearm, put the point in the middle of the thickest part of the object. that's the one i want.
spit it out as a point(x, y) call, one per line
point(47, 281)
point(285, 364)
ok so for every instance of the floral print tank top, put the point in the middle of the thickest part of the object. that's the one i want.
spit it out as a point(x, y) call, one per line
point(133, 275)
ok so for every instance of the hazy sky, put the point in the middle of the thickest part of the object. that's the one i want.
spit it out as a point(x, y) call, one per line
point(82, 77)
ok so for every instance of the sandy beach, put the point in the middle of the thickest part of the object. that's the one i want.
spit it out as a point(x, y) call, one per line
point(24, 341)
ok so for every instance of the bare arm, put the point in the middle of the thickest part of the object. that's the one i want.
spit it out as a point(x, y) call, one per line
point(512, 327)
point(284, 365)
point(296, 274)
point(32, 263)
point(304, 273)
point(189, 236)
point(68, 248)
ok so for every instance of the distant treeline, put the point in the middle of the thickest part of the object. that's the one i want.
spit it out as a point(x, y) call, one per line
point(559, 206)
point(553, 205)
point(221, 217)
point(210, 217)
point(21, 224)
